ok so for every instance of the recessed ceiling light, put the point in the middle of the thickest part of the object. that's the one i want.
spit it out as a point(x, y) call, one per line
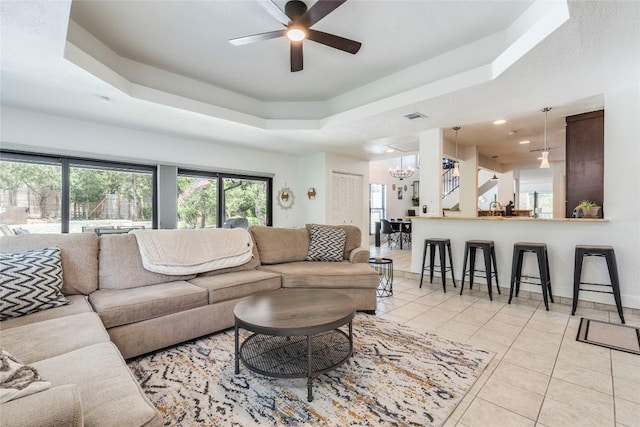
point(526, 141)
point(500, 122)
point(390, 150)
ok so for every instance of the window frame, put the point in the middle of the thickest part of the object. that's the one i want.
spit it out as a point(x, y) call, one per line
point(220, 176)
point(67, 162)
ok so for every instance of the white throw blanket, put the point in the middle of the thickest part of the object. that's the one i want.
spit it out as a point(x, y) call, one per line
point(179, 252)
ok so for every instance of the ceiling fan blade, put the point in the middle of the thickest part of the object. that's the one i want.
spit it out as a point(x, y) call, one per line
point(319, 10)
point(334, 41)
point(296, 56)
point(275, 11)
point(258, 37)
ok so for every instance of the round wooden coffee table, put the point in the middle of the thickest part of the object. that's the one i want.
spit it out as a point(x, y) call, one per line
point(295, 333)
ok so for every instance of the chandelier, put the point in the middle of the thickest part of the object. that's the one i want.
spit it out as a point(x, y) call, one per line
point(401, 173)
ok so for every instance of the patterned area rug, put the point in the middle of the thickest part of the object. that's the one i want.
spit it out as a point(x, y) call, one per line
point(397, 376)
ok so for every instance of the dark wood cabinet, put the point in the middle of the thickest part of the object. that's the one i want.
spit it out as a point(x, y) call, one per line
point(585, 159)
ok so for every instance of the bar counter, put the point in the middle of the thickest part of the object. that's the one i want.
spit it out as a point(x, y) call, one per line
point(561, 235)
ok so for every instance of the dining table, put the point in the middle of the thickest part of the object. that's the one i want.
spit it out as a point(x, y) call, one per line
point(401, 225)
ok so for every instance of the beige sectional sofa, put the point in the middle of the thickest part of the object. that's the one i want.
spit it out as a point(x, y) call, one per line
point(121, 310)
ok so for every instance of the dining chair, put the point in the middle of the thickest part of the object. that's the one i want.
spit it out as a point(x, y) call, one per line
point(391, 234)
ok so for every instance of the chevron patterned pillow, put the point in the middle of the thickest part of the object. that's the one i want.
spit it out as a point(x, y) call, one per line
point(30, 281)
point(326, 244)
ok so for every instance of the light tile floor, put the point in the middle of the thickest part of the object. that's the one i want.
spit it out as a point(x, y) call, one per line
point(540, 376)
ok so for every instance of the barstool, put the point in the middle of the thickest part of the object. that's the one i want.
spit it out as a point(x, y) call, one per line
point(601, 251)
point(489, 251)
point(443, 245)
point(540, 249)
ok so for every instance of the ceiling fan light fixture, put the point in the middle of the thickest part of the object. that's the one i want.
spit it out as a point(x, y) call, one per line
point(296, 34)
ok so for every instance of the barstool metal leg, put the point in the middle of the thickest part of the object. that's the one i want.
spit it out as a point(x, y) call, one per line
point(577, 274)
point(453, 276)
point(464, 266)
point(542, 268)
point(443, 267)
point(612, 265)
point(487, 268)
point(546, 261)
point(514, 273)
point(495, 267)
point(432, 258)
point(424, 257)
point(519, 271)
point(472, 266)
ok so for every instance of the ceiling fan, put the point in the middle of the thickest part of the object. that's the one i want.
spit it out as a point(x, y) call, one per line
point(298, 22)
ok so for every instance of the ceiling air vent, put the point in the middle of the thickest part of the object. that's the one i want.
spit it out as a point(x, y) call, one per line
point(415, 116)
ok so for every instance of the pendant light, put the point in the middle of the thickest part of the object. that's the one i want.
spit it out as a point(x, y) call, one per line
point(456, 170)
point(401, 173)
point(545, 153)
point(494, 177)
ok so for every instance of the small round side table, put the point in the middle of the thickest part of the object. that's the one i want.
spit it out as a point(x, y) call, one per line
point(384, 267)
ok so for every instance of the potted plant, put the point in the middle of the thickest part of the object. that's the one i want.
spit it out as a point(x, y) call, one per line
point(415, 200)
point(589, 208)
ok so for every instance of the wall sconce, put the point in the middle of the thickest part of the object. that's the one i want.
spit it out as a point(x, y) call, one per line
point(311, 193)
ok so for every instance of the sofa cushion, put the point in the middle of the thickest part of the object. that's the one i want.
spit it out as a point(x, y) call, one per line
point(326, 244)
point(78, 251)
point(354, 236)
point(78, 304)
point(310, 274)
point(58, 406)
point(110, 393)
point(49, 338)
point(237, 285)
point(30, 281)
point(18, 380)
point(121, 265)
point(278, 245)
point(118, 307)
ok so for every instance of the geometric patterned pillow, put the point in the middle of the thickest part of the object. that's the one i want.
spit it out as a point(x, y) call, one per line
point(18, 380)
point(29, 282)
point(326, 244)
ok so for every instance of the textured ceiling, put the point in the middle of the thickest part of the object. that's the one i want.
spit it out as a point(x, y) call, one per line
point(167, 67)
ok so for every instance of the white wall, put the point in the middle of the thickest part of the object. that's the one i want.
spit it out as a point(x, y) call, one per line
point(469, 181)
point(45, 133)
point(431, 146)
point(311, 173)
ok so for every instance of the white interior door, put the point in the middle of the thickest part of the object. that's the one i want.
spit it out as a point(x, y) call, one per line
point(346, 200)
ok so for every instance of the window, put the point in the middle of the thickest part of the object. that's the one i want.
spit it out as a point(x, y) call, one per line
point(108, 196)
point(31, 194)
point(49, 194)
point(208, 199)
point(377, 205)
point(542, 201)
point(246, 198)
point(197, 201)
